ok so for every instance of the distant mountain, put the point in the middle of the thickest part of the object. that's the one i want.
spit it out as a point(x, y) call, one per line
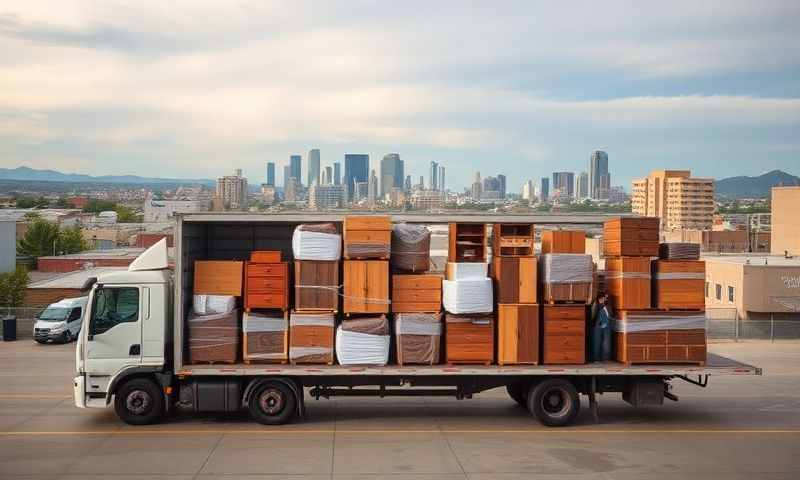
point(32, 174)
point(754, 187)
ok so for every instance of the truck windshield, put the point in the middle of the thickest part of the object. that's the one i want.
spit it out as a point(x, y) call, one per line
point(54, 314)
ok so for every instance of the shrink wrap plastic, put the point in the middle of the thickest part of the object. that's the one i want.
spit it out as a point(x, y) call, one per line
point(266, 336)
point(411, 247)
point(679, 251)
point(213, 338)
point(353, 347)
point(473, 295)
point(418, 337)
point(567, 268)
point(467, 270)
point(213, 304)
point(648, 323)
point(311, 354)
point(316, 242)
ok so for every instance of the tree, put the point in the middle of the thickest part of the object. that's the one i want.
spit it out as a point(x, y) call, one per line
point(12, 287)
point(62, 202)
point(41, 239)
point(32, 202)
point(70, 240)
point(127, 215)
point(96, 206)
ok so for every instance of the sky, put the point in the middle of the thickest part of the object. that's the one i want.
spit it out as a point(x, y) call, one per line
point(195, 89)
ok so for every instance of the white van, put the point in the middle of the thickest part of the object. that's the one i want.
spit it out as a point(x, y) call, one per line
point(61, 321)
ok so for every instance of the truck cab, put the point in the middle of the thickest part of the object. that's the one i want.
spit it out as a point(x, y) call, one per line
point(124, 339)
point(60, 321)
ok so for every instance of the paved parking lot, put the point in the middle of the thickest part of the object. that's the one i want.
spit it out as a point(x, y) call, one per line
point(740, 427)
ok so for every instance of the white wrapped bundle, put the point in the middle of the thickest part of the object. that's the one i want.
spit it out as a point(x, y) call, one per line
point(213, 304)
point(567, 268)
point(465, 270)
point(354, 348)
point(473, 295)
point(313, 243)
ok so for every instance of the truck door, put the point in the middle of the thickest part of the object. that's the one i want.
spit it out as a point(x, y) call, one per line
point(114, 339)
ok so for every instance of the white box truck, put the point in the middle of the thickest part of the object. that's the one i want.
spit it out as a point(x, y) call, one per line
point(131, 351)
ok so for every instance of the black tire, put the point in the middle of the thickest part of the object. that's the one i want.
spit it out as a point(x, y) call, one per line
point(272, 403)
point(554, 402)
point(67, 337)
point(518, 393)
point(139, 402)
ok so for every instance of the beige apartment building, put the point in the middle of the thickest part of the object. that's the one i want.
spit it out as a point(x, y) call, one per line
point(758, 287)
point(786, 221)
point(680, 201)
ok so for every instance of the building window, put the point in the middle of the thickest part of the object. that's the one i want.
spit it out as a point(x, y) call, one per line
point(719, 291)
point(730, 294)
point(706, 289)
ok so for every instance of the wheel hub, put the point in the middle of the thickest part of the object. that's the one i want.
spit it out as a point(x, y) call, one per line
point(138, 402)
point(271, 402)
point(555, 402)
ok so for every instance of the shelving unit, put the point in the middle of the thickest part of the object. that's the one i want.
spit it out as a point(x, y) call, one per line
point(512, 240)
point(467, 243)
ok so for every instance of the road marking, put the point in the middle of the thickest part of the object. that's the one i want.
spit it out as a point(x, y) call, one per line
point(26, 396)
point(549, 431)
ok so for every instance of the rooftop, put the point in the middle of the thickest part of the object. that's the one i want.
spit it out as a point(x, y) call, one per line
point(74, 279)
point(757, 260)
point(124, 253)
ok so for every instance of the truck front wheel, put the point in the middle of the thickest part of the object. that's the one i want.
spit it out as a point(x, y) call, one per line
point(272, 403)
point(554, 402)
point(139, 402)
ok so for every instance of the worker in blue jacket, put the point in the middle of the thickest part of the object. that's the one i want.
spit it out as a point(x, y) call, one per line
point(601, 329)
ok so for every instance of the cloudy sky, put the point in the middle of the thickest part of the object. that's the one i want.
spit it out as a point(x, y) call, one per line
point(196, 89)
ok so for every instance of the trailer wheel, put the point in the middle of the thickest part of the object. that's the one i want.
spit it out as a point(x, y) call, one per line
point(554, 402)
point(139, 402)
point(518, 393)
point(272, 403)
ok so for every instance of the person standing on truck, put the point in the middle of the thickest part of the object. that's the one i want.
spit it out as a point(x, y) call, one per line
point(601, 329)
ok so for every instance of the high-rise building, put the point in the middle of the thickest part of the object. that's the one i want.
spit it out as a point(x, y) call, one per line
point(407, 186)
point(323, 197)
point(582, 186)
point(598, 168)
point(292, 193)
point(392, 173)
point(313, 166)
point(232, 190)
point(544, 191)
point(433, 177)
point(287, 173)
point(564, 182)
point(681, 202)
point(477, 187)
point(372, 188)
point(427, 199)
point(296, 167)
point(267, 194)
point(785, 227)
point(527, 190)
point(442, 186)
point(337, 173)
point(271, 174)
point(492, 184)
point(356, 170)
point(502, 186)
point(327, 176)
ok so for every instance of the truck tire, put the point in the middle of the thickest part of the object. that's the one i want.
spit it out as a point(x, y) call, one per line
point(518, 393)
point(554, 402)
point(139, 402)
point(272, 403)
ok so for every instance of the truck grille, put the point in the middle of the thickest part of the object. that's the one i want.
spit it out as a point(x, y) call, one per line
point(41, 330)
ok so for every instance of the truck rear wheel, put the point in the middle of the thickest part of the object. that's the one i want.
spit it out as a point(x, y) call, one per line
point(554, 402)
point(139, 402)
point(272, 403)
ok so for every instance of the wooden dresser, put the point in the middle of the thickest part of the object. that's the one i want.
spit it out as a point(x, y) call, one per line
point(266, 286)
point(367, 237)
point(564, 339)
point(469, 338)
point(416, 293)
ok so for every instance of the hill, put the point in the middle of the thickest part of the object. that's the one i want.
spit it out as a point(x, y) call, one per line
point(32, 174)
point(754, 187)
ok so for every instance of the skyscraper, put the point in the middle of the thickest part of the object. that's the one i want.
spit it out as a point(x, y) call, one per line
point(327, 176)
point(477, 188)
point(564, 182)
point(502, 185)
point(287, 173)
point(296, 167)
point(271, 174)
point(232, 189)
point(356, 170)
point(582, 186)
point(598, 167)
point(392, 174)
point(337, 173)
point(433, 183)
point(313, 166)
point(527, 190)
point(544, 191)
point(372, 188)
point(442, 186)
point(407, 186)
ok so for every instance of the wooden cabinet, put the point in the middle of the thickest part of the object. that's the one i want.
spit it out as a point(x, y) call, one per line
point(311, 338)
point(367, 237)
point(564, 338)
point(563, 241)
point(265, 256)
point(631, 237)
point(366, 286)
point(517, 334)
point(679, 284)
point(416, 293)
point(660, 337)
point(266, 337)
point(469, 338)
point(316, 286)
point(512, 240)
point(266, 286)
point(218, 277)
point(628, 282)
point(467, 242)
point(515, 279)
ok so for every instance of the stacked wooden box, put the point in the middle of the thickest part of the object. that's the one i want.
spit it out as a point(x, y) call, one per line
point(514, 271)
point(215, 337)
point(311, 337)
point(631, 237)
point(679, 284)
point(563, 241)
point(367, 241)
point(266, 302)
point(564, 339)
point(629, 244)
point(648, 336)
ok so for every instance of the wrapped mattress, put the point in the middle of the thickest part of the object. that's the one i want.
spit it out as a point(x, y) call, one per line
point(213, 304)
point(411, 247)
point(363, 341)
point(567, 277)
point(213, 338)
point(465, 270)
point(418, 338)
point(679, 251)
point(319, 241)
point(265, 337)
point(311, 337)
point(472, 295)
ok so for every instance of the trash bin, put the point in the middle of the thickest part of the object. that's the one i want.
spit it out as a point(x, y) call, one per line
point(9, 328)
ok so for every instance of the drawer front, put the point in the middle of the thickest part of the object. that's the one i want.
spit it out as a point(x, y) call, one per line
point(267, 270)
point(656, 354)
point(416, 307)
point(686, 337)
point(678, 353)
point(564, 313)
point(308, 336)
point(382, 237)
point(564, 342)
point(417, 282)
point(266, 300)
point(266, 285)
point(266, 256)
point(428, 296)
point(646, 338)
point(565, 328)
point(571, 357)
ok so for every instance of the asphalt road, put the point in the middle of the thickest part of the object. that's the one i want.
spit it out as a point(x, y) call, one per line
point(738, 428)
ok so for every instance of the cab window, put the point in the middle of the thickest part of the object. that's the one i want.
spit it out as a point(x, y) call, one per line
point(75, 314)
point(113, 306)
